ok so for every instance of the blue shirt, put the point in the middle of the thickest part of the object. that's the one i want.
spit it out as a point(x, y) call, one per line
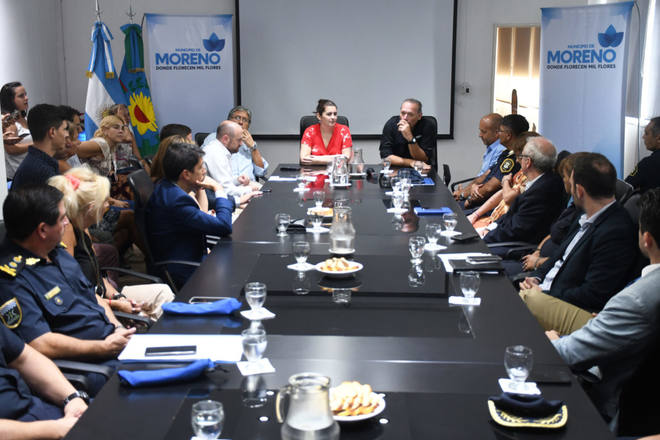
point(14, 392)
point(51, 296)
point(36, 168)
point(491, 155)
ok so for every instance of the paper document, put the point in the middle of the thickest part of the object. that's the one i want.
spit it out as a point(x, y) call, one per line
point(218, 348)
point(281, 179)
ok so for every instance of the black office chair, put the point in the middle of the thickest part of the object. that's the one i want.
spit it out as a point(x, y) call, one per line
point(622, 190)
point(143, 187)
point(199, 138)
point(307, 120)
point(446, 174)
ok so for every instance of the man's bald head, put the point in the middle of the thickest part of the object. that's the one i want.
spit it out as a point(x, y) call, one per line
point(488, 126)
point(230, 134)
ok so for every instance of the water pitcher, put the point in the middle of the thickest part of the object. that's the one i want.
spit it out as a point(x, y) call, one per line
point(339, 171)
point(308, 416)
point(342, 231)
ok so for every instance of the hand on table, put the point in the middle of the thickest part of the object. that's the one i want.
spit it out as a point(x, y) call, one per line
point(75, 408)
point(115, 342)
point(530, 283)
point(552, 334)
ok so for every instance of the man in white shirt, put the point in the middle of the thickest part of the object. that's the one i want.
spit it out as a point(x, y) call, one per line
point(228, 140)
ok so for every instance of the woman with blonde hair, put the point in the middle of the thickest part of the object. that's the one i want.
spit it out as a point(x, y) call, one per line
point(85, 199)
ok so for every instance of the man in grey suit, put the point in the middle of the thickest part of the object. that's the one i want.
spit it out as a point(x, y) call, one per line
point(616, 340)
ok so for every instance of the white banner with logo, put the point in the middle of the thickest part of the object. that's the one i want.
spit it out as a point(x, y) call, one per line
point(191, 67)
point(583, 78)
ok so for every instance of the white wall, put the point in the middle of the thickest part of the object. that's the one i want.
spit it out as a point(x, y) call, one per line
point(31, 51)
point(52, 54)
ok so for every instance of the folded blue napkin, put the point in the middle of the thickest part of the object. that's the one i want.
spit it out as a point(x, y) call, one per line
point(432, 211)
point(220, 307)
point(527, 406)
point(142, 378)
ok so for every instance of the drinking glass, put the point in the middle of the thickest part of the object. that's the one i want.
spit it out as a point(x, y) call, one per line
point(300, 252)
point(207, 418)
point(315, 220)
point(433, 231)
point(419, 166)
point(386, 165)
point(397, 200)
point(301, 185)
point(255, 295)
point(254, 344)
point(469, 282)
point(282, 221)
point(450, 220)
point(416, 246)
point(416, 277)
point(518, 361)
point(319, 196)
point(301, 283)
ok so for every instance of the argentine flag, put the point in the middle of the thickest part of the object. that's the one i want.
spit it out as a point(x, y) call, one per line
point(103, 89)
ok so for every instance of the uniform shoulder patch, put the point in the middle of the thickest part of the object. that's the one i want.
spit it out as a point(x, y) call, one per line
point(634, 172)
point(11, 314)
point(12, 266)
point(507, 165)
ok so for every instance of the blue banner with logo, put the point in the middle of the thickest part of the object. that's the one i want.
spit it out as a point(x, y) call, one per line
point(583, 78)
point(191, 67)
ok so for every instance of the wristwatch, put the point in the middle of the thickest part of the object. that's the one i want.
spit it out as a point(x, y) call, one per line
point(254, 147)
point(83, 395)
point(413, 140)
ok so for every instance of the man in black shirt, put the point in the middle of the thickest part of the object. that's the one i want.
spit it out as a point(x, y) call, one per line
point(408, 138)
point(49, 129)
point(646, 174)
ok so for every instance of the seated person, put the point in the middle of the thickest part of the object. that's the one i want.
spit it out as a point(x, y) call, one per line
point(176, 227)
point(485, 185)
point(408, 138)
point(595, 260)
point(498, 204)
point(24, 371)
point(248, 161)
point(85, 198)
point(488, 133)
point(618, 338)
point(533, 211)
point(70, 156)
point(128, 153)
point(14, 108)
point(176, 130)
point(49, 129)
point(321, 142)
point(646, 174)
point(558, 230)
point(229, 137)
point(59, 312)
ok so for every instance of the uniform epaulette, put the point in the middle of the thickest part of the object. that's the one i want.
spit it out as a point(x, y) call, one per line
point(13, 266)
point(62, 245)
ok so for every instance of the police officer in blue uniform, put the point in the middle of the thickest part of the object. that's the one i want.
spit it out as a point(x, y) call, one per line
point(46, 299)
point(22, 369)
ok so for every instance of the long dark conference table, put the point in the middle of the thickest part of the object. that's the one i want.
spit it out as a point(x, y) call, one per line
point(436, 363)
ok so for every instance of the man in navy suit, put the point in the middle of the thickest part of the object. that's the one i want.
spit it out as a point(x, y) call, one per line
point(595, 260)
point(176, 226)
point(534, 210)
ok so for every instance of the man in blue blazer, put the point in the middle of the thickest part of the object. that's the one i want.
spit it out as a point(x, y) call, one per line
point(596, 258)
point(176, 226)
point(533, 211)
point(619, 337)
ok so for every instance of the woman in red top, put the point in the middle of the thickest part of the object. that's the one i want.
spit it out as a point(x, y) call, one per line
point(323, 141)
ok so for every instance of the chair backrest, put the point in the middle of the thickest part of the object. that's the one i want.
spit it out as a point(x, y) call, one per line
point(142, 187)
point(622, 190)
point(307, 120)
point(434, 154)
point(199, 138)
point(446, 174)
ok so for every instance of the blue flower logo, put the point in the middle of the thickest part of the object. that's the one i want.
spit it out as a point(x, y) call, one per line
point(214, 44)
point(610, 38)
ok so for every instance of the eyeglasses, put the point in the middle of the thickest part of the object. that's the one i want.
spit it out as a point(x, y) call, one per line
point(520, 156)
point(239, 118)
